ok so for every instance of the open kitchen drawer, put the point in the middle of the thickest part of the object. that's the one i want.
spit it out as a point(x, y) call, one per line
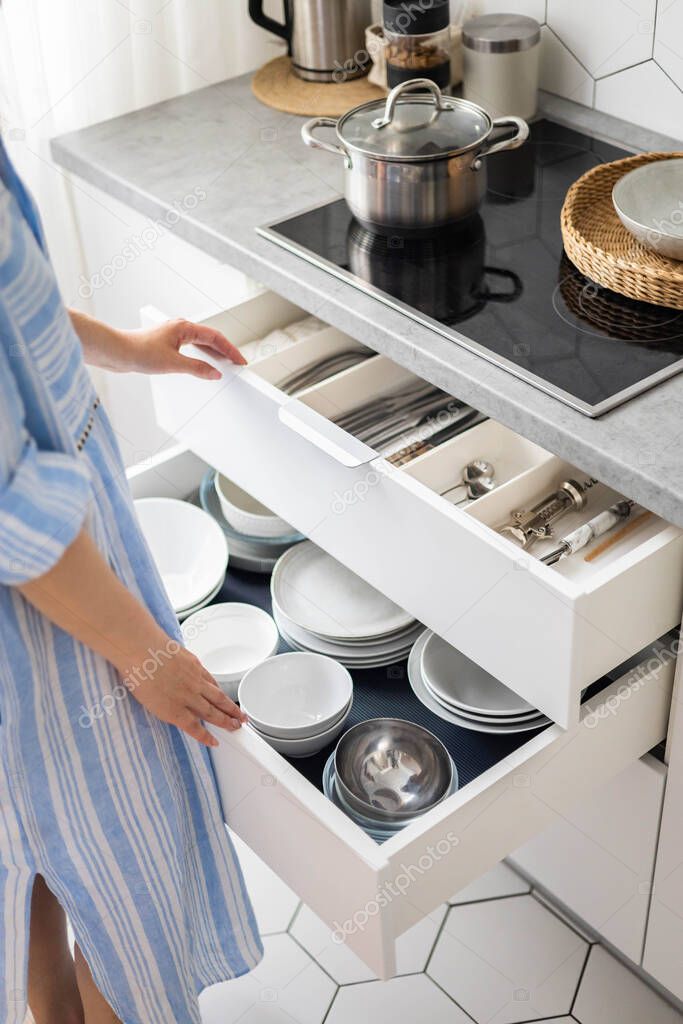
point(373, 893)
point(547, 632)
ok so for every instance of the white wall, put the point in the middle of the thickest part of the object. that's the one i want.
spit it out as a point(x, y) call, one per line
point(625, 59)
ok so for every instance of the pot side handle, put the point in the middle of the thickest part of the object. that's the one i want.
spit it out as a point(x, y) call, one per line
point(315, 143)
point(516, 140)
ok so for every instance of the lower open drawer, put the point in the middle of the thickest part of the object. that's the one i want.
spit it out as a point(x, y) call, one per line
point(372, 893)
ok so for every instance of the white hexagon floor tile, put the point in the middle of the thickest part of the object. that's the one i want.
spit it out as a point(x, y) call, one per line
point(274, 902)
point(399, 1001)
point(286, 986)
point(499, 881)
point(606, 36)
point(506, 961)
point(610, 994)
point(668, 51)
point(412, 948)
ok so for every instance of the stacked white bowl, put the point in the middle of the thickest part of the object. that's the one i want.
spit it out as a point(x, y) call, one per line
point(189, 548)
point(230, 639)
point(297, 702)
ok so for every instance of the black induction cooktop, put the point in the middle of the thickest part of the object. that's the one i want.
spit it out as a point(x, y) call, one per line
point(500, 284)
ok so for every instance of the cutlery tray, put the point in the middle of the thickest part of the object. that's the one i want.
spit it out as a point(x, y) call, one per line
point(547, 632)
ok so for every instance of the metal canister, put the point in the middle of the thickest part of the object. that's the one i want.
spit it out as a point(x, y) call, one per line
point(501, 54)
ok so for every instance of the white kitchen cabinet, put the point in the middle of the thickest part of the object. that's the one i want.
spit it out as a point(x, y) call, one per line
point(664, 940)
point(373, 893)
point(547, 632)
point(599, 859)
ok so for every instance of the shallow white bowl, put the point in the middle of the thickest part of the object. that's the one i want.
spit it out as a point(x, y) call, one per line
point(229, 639)
point(246, 514)
point(649, 203)
point(308, 745)
point(188, 546)
point(294, 696)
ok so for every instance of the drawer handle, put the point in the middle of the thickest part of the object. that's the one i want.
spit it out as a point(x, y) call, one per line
point(325, 435)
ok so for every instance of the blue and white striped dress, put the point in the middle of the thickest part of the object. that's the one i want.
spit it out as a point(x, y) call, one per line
point(119, 813)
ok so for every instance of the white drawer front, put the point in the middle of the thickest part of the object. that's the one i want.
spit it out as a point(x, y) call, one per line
point(370, 893)
point(599, 861)
point(454, 573)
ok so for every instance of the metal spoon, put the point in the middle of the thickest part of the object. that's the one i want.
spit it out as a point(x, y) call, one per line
point(478, 479)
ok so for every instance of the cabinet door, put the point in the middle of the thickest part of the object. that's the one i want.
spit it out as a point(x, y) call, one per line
point(664, 942)
point(599, 859)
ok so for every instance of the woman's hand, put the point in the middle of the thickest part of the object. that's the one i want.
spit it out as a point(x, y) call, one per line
point(157, 349)
point(180, 691)
point(153, 349)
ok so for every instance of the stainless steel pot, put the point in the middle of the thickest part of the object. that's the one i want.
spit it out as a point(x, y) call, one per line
point(416, 163)
point(326, 38)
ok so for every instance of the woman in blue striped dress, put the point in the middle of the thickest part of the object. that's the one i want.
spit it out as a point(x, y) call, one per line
point(113, 818)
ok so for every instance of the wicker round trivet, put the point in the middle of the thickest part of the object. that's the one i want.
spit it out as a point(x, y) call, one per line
point(600, 246)
point(276, 85)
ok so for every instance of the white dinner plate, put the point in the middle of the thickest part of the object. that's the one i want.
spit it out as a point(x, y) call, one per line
point(423, 695)
point(337, 650)
point(188, 546)
point(459, 682)
point(231, 638)
point(483, 719)
point(347, 661)
point(321, 595)
point(186, 612)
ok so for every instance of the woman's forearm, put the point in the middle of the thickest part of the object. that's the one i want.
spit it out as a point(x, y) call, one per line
point(83, 596)
point(103, 346)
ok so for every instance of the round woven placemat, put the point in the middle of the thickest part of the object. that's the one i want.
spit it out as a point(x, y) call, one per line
point(598, 244)
point(276, 85)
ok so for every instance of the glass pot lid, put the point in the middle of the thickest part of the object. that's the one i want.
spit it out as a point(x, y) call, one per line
point(409, 126)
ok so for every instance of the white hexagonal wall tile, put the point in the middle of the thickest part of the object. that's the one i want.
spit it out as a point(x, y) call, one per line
point(561, 72)
point(506, 961)
point(399, 1001)
point(643, 95)
point(499, 881)
point(286, 986)
point(610, 992)
point(532, 8)
point(412, 948)
point(668, 50)
point(274, 902)
point(605, 36)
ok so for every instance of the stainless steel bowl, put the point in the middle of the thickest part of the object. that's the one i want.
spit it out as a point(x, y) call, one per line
point(390, 770)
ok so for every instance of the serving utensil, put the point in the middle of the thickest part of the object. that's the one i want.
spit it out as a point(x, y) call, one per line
point(529, 527)
point(584, 534)
point(478, 479)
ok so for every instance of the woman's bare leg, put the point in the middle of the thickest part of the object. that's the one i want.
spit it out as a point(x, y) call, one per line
point(97, 1009)
point(52, 989)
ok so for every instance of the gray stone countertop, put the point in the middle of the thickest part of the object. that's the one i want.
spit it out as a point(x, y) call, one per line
point(251, 164)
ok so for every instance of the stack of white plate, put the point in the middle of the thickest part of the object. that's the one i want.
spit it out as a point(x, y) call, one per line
point(320, 605)
point(298, 703)
point(459, 691)
point(248, 552)
point(230, 639)
point(189, 548)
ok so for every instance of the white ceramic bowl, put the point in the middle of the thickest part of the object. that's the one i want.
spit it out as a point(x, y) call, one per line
point(649, 203)
point(246, 514)
point(188, 546)
point(295, 696)
point(309, 745)
point(230, 639)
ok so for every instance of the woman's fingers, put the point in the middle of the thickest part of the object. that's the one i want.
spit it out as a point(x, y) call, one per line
point(193, 727)
point(198, 368)
point(210, 713)
point(213, 693)
point(210, 338)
